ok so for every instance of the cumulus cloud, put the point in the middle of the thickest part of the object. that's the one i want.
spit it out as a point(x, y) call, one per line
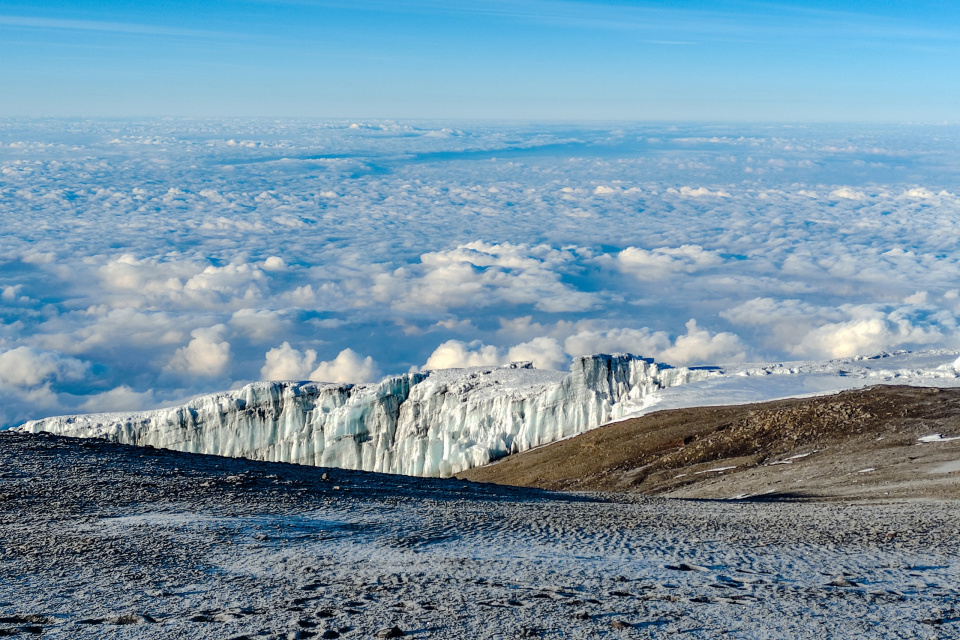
point(921, 193)
point(699, 346)
point(544, 352)
point(274, 263)
point(847, 193)
point(101, 327)
point(287, 363)
point(456, 354)
point(11, 293)
point(785, 321)
point(480, 274)
point(207, 354)
point(699, 192)
point(121, 398)
point(665, 261)
point(696, 346)
point(876, 332)
point(347, 367)
point(639, 342)
point(147, 281)
point(31, 367)
point(261, 325)
point(812, 331)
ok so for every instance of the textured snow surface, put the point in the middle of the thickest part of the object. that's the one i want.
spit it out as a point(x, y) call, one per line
point(95, 537)
point(423, 424)
point(747, 383)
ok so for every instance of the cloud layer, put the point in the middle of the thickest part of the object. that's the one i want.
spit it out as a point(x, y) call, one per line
point(144, 262)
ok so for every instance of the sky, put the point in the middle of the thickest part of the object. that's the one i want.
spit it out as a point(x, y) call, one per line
point(540, 60)
point(197, 195)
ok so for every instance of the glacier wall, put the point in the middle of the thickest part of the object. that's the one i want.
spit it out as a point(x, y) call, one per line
point(434, 423)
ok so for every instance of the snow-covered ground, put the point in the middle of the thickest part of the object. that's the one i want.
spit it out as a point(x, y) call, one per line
point(99, 540)
point(760, 382)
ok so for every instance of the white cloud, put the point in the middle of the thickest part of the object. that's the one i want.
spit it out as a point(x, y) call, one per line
point(11, 293)
point(287, 363)
point(148, 281)
point(699, 192)
point(698, 346)
point(205, 355)
point(274, 263)
point(919, 193)
point(456, 354)
point(665, 261)
point(121, 398)
point(639, 342)
point(863, 336)
point(543, 352)
point(918, 298)
point(812, 331)
point(29, 367)
point(480, 274)
point(347, 367)
point(847, 193)
point(103, 327)
point(260, 325)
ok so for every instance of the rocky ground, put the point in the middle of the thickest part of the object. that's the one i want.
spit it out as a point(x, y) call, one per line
point(99, 540)
point(860, 444)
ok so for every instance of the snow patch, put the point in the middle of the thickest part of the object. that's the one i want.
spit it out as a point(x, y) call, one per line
point(936, 437)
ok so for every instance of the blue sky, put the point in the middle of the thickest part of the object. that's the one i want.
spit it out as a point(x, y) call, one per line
point(526, 59)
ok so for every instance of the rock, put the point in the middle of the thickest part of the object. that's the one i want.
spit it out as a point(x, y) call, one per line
point(330, 633)
point(683, 566)
point(842, 582)
point(620, 624)
point(392, 632)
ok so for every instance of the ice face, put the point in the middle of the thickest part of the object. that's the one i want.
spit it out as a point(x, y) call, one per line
point(434, 423)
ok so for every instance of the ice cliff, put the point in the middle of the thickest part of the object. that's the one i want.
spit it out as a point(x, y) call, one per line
point(434, 423)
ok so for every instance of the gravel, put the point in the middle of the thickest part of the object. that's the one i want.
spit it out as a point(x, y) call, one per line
point(99, 540)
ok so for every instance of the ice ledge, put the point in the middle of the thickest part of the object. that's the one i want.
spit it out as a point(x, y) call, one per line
point(433, 423)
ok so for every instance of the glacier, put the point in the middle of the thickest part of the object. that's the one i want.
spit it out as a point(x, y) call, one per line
point(431, 423)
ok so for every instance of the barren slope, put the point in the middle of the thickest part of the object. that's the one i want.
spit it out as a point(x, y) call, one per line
point(99, 540)
point(856, 444)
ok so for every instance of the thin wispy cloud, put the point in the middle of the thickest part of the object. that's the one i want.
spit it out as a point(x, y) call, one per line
point(740, 20)
point(29, 22)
